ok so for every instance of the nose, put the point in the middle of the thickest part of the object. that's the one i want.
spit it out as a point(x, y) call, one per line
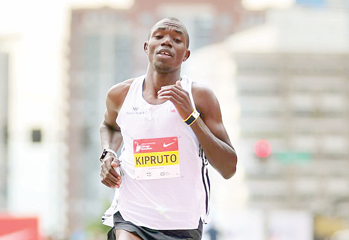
point(166, 41)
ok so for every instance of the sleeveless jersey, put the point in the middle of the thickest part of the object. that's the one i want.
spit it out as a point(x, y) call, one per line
point(165, 182)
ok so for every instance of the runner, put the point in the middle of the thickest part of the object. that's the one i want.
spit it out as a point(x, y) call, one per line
point(171, 128)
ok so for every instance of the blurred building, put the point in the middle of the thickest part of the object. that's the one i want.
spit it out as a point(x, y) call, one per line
point(32, 165)
point(106, 47)
point(292, 85)
point(292, 81)
point(3, 128)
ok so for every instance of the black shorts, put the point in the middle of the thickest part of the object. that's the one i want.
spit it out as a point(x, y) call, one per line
point(151, 234)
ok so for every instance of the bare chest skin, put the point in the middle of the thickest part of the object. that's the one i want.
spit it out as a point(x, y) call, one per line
point(150, 92)
point(151, 99)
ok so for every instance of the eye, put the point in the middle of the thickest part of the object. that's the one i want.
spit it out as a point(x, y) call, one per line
point(158, 36)
point(177, 40)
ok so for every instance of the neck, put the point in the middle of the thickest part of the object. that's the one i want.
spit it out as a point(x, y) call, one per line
point(155, 80)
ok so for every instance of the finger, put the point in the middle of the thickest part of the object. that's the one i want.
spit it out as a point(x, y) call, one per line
point(106, 183)
point(108, 172)
point(109, 178)
point(172, 96)
point(110, 181)
point(180, 99)
point(112, 185)
point(115, 163)
point(116, 166)
point(178, 83)
point(109, 164)
point(178, 90)
point(118, 184)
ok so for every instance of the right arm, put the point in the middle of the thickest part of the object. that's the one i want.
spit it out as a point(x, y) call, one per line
point(110, 133)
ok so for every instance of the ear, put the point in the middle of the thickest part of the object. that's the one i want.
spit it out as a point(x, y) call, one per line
point(145, 47)
point(186, 56)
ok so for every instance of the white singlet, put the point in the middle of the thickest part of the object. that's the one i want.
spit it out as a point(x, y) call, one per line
point(165, 183)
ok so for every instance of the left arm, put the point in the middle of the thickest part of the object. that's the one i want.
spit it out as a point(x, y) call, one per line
point(209, 128)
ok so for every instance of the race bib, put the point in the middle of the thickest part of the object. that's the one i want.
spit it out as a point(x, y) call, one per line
point(156, 158)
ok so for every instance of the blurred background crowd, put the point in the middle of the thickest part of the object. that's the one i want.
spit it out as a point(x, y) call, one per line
point(280, 69)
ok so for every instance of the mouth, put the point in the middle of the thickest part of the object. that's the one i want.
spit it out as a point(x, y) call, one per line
point(165, 52)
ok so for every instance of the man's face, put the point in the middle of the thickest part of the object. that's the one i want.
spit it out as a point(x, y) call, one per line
point(167, 46)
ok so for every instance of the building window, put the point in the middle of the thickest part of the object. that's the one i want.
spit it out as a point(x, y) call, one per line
point(36, 135)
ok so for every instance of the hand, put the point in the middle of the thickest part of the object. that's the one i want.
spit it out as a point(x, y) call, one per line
point(109, 176)
point(179, 97)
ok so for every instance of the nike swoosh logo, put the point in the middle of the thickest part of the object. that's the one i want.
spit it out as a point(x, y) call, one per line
point(166, 145)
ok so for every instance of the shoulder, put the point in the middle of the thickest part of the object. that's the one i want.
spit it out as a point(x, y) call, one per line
point(117, 93)
point(120, 88)
point(199, 88)
point(205, 100)
point(202, 93)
